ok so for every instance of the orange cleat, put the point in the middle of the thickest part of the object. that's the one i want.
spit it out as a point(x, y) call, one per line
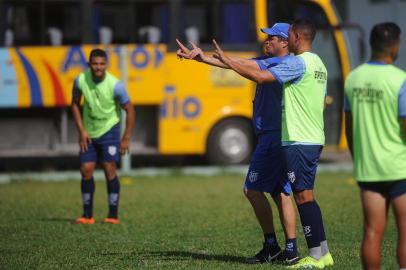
point(84, 220)
point(111, 220)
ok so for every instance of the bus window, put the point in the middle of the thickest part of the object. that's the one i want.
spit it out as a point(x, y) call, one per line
point(66, 18)
point(228, 21)
point(24, 22)
point(108, 18)
point(197, 21)
point(152, 21)
point(238, 24)
point(4, 25)
point(279, 11)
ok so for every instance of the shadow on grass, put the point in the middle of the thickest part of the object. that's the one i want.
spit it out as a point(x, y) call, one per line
point(69, 220)
point(183, 255)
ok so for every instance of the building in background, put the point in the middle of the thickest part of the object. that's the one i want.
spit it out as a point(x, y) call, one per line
point(363, 14)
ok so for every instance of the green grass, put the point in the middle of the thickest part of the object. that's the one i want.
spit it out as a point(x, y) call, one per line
point(176, 222)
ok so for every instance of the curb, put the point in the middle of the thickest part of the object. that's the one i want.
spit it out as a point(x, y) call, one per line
point(153, 172)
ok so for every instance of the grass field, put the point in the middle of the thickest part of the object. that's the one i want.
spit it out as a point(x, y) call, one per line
point(174, 222)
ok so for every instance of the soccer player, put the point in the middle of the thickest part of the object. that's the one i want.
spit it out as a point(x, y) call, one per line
point(99, 131)
point(304, 79)
point(375, 113)
point(266, 171)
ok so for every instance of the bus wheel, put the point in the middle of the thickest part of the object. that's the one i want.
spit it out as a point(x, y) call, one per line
point(230, 142)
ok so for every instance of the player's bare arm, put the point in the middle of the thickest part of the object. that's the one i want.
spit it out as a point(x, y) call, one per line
point(197, 54)
point(84, 138)
point(129, 125)
point(348, 130)
point(253, 74)
point(403, 122)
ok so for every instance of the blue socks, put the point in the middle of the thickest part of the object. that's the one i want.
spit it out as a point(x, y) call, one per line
point(322, 233)
point(270, 239)
point(323, 241)
point(113, 190)
point(87, 187)
point(310, 217)
point(291, 247)
point(313, 228)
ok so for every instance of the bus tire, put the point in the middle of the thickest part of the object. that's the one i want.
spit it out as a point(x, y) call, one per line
point(230, 142)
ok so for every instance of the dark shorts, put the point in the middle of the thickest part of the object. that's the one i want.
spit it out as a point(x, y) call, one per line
point(103, 149)
point(301, 165)
point(266, 171)
point(388, 189)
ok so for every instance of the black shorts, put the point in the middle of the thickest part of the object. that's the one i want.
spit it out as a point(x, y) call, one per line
point(301, 165)
point(103, 149)
point(388, 189)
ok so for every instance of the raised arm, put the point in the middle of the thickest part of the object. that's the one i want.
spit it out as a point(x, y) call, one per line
point(254, 74)
point(197, 54)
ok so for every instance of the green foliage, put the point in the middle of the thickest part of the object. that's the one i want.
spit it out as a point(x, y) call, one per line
point(175, 222)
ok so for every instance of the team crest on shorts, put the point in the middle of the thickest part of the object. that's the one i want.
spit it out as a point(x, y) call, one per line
point(253, 176)
point(291, 177)
point(112, 150)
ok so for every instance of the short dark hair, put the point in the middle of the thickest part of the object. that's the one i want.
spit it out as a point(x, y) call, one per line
point(97, 53)
point(384, 36)
point(306, 27)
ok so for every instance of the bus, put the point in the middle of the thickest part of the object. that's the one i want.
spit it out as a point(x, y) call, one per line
point(183, 108)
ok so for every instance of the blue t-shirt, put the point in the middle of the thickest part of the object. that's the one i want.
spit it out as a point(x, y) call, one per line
point(267, 104)
point(291, 69)
point(119, 92)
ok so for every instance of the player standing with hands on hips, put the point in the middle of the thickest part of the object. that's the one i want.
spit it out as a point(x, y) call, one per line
point(375, 114)
point(99, 131)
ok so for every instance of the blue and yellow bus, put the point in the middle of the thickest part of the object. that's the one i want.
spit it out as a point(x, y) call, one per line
point(182, 108)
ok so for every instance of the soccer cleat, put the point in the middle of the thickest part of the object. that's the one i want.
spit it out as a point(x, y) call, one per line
point(267, 254)
point(287, 258)
point(308, 263)
point(327, 259)
point(84, 220)
point(111, 220)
